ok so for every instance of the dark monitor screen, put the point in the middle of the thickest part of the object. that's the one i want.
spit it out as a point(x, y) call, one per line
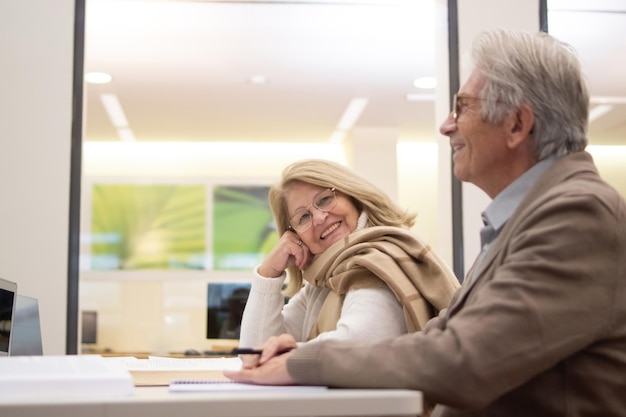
point(225, 305)
point(8, 291)
point(89, 335)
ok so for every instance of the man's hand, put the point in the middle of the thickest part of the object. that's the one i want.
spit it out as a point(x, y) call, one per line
point(272, 372)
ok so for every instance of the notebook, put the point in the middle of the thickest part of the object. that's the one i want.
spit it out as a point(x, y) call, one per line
point(26, 335)
point(8, 292)
point(157, 370)
point(50, 376)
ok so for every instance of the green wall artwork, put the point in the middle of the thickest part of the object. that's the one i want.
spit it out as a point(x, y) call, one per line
point(137, 226)
point(165, 227)
point(243, 227)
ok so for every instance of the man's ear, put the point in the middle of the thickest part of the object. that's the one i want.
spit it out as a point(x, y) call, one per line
point(521, 126)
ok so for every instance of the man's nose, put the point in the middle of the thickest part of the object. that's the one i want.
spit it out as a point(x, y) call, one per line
point(448, 125)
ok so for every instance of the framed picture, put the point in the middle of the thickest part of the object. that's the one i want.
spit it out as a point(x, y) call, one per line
point(243, 227)
point(164, 226)
point(148, 226)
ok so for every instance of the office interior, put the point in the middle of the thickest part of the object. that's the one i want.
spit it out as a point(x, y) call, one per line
point(235, 138)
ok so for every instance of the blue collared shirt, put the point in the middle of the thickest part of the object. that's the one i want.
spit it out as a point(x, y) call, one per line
point(502, 207)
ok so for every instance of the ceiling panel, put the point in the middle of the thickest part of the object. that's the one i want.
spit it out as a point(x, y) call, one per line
point(181, 70)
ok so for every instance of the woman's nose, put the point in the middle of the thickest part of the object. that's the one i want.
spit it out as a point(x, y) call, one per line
point(318, 215)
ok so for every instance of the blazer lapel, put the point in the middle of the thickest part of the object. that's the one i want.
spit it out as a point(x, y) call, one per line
point(474, 275)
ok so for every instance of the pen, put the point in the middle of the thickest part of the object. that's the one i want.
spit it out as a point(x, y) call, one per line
point(249, 351)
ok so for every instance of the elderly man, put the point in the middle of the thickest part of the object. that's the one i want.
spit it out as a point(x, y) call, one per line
point(538, 328)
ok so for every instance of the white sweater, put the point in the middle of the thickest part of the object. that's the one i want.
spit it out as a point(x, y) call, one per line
point(367, 314)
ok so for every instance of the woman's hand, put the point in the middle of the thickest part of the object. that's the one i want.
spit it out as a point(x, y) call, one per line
point(270, 368)
point(289, 250)
point(274, 346)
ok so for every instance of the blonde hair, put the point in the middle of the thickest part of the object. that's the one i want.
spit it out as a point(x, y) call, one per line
point(380, 209)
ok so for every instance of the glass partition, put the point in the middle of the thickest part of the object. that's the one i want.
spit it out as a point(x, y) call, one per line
point(204, 104)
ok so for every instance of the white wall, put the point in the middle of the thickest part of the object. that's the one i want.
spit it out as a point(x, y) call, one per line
point(36, 44)
point(611, 165)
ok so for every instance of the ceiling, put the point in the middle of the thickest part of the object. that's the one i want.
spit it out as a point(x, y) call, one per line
point(186, 70)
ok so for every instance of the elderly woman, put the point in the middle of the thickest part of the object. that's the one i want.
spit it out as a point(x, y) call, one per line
point(366, 277)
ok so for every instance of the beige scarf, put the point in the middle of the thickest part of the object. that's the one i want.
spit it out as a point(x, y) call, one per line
point(378, 256)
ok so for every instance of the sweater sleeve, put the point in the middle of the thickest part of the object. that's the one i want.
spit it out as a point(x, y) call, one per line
point(266, 315)
point(262, 314)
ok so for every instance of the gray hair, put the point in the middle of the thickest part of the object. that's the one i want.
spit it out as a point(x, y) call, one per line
point(538, 70)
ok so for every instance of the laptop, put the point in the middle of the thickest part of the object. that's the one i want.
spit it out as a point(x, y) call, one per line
point(8, 299)
point(26, 335)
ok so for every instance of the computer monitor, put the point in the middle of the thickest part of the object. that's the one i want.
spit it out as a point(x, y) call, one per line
point(225, 305)
point(89, 327)
point(8, 296)
point(26, 337)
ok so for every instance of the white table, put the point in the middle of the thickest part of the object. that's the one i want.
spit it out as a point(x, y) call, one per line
point(158, 401)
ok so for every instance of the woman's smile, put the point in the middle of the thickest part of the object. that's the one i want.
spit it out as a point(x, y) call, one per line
point(331, 229)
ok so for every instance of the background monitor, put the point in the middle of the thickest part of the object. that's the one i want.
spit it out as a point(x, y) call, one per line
point(8, 291)
point(89, 327)
point(225, 305)
point(26, 337)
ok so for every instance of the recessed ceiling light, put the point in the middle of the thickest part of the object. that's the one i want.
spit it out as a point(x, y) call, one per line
point(425, 82)
point(114, 110)
point(258, 79)
point(598, 111)
point(420, 97)
point(98, 77)
point(352, 113)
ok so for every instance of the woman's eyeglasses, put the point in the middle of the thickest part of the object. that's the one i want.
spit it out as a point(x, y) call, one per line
point(302, 219)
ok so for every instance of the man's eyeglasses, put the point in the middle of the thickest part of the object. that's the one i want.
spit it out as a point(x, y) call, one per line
point(302, 219)
point(457, 104)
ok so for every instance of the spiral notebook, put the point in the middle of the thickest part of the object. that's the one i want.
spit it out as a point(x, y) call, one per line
point(156, 370)
point(206, 385)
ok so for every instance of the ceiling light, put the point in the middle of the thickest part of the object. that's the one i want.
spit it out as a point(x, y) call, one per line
point(258, 79)
point(114, 110)
point(337, 136)
point(118, 118)
point(352, 113)
point(607, 100)
point(420, 97)
point(126, 134)
point(98, 78)
point(425, 83)
point(599, 111)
